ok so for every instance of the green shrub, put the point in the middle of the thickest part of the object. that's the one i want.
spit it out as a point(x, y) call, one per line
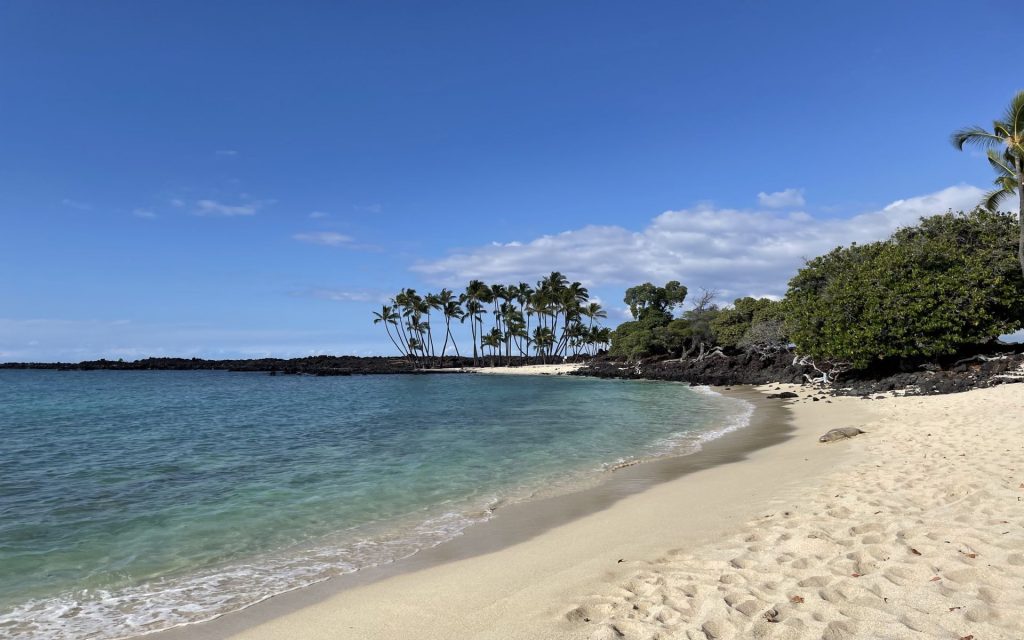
point(950, 281)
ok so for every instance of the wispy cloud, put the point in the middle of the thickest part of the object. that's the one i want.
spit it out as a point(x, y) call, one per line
point(345, 295)
point(226, 152)
point(329, 238)
point(75, 204)
point(319, 215)
point(781, 199)
point(739, 252)
point(369, 208)
point(143, 213)
point(215, 208)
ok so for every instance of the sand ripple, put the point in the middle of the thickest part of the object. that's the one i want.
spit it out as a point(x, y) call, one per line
point(921, 537)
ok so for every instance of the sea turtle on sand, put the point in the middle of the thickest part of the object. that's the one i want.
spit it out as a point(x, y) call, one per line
point(840, 434)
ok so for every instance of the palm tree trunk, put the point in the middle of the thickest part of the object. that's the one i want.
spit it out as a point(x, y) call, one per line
point(1020, 212)
point(447, 332)
point(393, 341)
point(472, 330)
point(454, 344)
point(405, 339)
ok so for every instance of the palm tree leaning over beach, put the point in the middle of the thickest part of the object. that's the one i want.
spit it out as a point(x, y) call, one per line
point(1005, 148)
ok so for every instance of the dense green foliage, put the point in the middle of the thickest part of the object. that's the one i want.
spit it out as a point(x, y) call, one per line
point(950, 281)
point(733, 326)
point(640, 338)
point(655, 331)
point(646, 300)
point(929, 290)
point(647, 334)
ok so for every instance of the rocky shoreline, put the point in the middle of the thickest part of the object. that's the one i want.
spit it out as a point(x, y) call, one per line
point(312, 365)
point(953, 375)
point(950, 376)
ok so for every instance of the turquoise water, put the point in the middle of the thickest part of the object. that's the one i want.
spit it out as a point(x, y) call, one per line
point(136, 501)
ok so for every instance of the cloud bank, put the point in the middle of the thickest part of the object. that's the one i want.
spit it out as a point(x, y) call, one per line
point(738, 252)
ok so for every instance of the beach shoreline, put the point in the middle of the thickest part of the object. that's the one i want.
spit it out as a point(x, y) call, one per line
point(520, 523)
point(794, 539)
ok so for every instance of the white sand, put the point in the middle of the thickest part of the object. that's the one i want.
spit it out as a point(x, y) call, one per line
point(913, 530)
point(529, 370)
point(921, 536)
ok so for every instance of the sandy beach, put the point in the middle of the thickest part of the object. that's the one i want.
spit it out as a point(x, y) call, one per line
point(911, 530)
point(528, 370)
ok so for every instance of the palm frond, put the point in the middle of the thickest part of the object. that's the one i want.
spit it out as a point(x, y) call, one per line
point(1001, 161)
point(992, 199)
point(975, 136)
point(1014, 117)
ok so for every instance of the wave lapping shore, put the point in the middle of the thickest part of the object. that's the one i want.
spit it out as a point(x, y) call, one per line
point(143, 500)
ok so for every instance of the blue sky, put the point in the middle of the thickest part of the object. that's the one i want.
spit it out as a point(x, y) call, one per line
point(253, 178)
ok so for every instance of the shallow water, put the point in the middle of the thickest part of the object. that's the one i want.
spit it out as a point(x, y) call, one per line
point(136, 501)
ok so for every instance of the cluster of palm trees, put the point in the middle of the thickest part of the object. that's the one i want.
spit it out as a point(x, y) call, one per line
point(551, 320)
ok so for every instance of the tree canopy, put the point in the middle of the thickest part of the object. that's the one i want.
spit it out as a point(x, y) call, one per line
point(647, 299)
point(950, 281)
point(733, 324)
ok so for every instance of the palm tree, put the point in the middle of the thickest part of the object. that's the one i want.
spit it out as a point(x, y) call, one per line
point(543, 339)
point(493, 340)
point(570, 299)
point(592, 311)
point(418, 328)
point(446, 303)
point(388, 316)
point(473, 310)
point(557, 305)
point(421, 308)
point(476, 294)
point(1005, 146)
point(401, 303)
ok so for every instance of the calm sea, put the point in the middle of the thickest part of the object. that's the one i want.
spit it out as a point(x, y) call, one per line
point(136, 501)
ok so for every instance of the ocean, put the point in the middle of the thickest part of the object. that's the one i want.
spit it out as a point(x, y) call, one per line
point(134, 501)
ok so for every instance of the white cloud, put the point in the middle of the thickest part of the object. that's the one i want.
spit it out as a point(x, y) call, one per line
point(329, 238)
point(738, 252)
point(781, 199)
point(75, 204)
point(215, 208)
point(319, 214)
point(346, 295)
point(143, 213)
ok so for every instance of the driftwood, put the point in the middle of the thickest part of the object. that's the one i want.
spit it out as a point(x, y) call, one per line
point(835, 369)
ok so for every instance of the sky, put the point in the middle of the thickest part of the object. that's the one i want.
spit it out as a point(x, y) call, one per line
point(249, 179)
